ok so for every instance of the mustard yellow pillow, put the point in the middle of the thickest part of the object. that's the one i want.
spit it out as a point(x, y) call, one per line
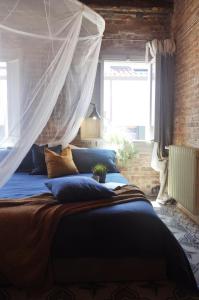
point(60, 165)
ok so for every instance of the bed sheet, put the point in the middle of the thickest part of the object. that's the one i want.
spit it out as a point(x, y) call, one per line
point(23, 185)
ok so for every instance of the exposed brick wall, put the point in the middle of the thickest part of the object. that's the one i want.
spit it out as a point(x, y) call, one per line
point(186, 33)
point(139, 170)
point(125, 34)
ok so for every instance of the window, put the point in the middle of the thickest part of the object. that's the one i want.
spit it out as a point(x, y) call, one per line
point(3, 100)
point(9, 102)
point(128, 99)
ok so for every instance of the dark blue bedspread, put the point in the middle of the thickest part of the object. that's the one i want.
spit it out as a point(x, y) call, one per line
point(123, 230)
point(24, 185)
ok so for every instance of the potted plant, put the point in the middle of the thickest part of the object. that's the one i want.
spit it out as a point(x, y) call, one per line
point(124, 147)
point(100, 170)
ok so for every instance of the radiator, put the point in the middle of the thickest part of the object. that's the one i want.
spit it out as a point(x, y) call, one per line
point(183, 178)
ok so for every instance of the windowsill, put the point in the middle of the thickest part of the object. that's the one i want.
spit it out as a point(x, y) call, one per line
point(134, 141)
point(143, 141)
point(140, 145)
point(143, 145)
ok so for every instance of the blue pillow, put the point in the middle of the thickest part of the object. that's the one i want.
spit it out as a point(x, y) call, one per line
point(75, 189)
point(38, 157)
point(27, 163)
point(86, 159)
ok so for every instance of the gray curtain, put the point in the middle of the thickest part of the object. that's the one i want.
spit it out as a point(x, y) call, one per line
point(163, 52)
point(164, 102)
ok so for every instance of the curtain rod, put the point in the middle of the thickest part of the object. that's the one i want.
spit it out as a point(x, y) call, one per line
point(127, 40)
point(138, 14)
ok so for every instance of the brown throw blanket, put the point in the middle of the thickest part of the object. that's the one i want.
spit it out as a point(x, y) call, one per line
point(27, 227)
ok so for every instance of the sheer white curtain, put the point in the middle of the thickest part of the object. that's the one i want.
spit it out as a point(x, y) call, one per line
point(56, 45)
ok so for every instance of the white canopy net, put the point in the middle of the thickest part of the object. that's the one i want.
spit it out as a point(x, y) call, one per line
point(48, 58)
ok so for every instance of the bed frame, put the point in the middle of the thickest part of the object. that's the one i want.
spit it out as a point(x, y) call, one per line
point(105, 270)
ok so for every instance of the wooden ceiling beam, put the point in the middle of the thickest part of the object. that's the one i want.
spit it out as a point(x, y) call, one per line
point(142, 4)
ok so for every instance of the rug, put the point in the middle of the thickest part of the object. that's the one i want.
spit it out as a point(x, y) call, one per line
point(186, 232)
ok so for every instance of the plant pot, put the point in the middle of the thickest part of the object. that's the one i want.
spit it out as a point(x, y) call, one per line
point(102, 178)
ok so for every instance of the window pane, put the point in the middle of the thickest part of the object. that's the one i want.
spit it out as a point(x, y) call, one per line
point(127, 98)
point(3, 100)
point(3, 72)
point(3, 64)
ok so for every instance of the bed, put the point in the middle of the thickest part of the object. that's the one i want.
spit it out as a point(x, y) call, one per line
point(120, 242)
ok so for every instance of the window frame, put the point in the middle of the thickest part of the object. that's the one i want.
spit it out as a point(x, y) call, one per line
point(5, 77)
point(150, 125)
point(13, 101)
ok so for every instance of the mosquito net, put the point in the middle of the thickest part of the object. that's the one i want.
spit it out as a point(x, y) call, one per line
point(48, 58)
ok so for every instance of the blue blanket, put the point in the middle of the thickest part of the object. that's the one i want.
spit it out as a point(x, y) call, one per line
point(24, 185)
point(124, 230)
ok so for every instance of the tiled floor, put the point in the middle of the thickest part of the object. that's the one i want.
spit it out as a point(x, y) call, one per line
point(185, 231)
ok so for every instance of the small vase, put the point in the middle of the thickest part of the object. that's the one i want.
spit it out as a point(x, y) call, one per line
point(102, 178)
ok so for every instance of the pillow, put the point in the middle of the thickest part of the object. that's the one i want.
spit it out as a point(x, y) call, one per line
point(27, 163)
point(77, 188)
point(38, 157)
point(86, 159)
point(60, 165)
